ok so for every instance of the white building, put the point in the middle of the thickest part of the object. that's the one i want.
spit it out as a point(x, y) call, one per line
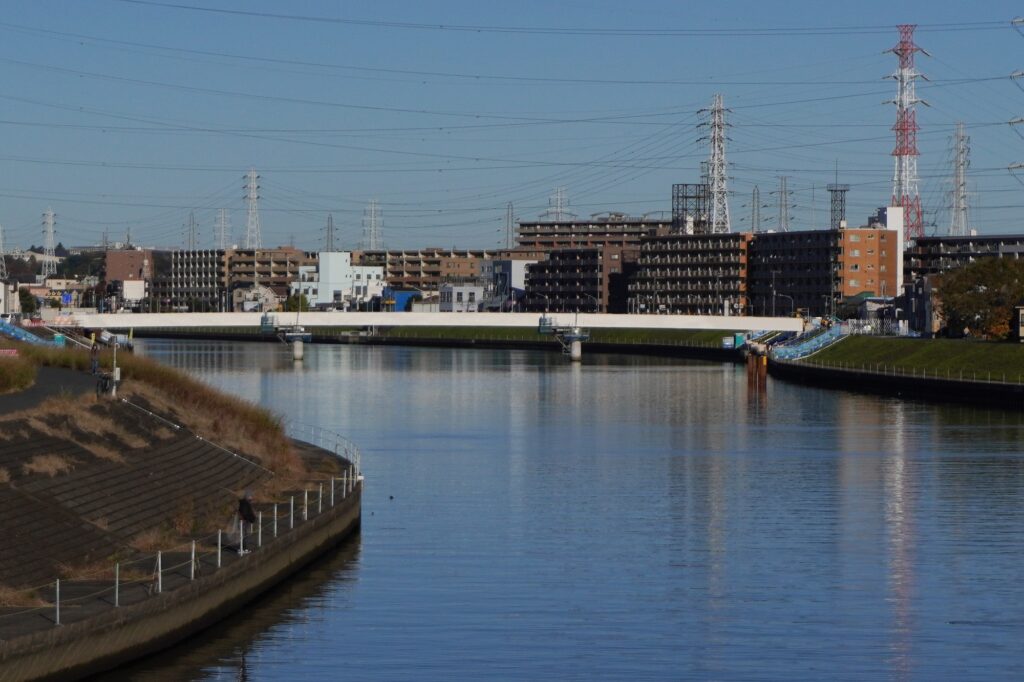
point(336, 283)
point(461, 298)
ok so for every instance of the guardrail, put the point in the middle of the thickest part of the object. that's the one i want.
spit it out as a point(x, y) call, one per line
point(801, 348)
point(20, 334)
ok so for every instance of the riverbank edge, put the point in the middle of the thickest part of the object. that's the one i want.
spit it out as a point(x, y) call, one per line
point(689, 352)
point(931, 389)
point(105, 641)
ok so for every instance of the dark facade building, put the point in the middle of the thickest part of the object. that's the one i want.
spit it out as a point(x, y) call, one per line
point(811, 271)
point(934, 255)
point(614, 230)
point(589, 279)
point(691, 274)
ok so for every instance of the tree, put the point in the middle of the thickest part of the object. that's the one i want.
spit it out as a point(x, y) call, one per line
point(28, 301)
point(980, 296)
point(296, 303)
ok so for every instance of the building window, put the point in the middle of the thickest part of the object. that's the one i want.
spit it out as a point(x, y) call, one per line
point(854, 237)
point(458, 297)
point(855, 267)
point(854, 282)
point(855, 253)
point(472, 297)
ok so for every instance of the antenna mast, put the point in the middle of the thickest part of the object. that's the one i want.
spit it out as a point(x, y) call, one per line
point(904, 180)
point(253, 239)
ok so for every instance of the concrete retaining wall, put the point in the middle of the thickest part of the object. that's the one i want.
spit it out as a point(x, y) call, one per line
point(101, 643)
point(1010, 396)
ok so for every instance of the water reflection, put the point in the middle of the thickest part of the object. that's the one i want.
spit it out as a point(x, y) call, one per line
point(644, 518)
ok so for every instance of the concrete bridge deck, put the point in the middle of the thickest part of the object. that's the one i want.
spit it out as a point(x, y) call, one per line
point(312, 320)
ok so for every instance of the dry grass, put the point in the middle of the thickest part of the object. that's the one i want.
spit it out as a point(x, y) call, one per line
point(12, 596)
point(5, 475)
point(184, 520)
point(154, 539)
point(103, 523)
point(51, 465)
point(16, 373)
point(102, 569)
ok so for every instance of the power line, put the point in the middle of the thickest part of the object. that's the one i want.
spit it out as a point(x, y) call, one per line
point(579, 31)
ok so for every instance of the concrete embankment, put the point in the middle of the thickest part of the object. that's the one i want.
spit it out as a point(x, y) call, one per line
point(904, 385)
point(103, 641)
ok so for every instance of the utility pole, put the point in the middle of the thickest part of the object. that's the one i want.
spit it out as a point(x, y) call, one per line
point(253, 238)
point(223, 229)
point(959, 225)
point(49, 258)
point(904, 180)
point(717, 168)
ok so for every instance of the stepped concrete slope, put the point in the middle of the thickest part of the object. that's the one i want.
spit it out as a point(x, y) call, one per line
point(133, 513)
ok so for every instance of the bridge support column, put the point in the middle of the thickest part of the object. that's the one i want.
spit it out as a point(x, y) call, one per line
point(298, 349)
point(576, 351)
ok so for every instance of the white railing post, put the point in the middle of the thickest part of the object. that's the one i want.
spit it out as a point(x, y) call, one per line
point(320, 500)
point(117, 585)
point(275, 519)
point(259, 531)
point(241, 537)
point(305, 504)
point(291, 513)
point(218, 547)
point(344, 484)
point(192, 563)
point(159, 573)
point(332, 491)
point(57, 604)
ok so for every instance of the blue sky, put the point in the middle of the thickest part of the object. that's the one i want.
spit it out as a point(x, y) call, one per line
point(123, 114)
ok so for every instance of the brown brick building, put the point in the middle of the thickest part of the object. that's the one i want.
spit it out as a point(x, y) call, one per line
point(589, 279)
point(128, 265)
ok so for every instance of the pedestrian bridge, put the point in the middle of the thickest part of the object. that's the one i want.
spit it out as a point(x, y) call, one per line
point(312, 320)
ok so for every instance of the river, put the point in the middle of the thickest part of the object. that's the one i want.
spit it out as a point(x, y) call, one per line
point(629, 519)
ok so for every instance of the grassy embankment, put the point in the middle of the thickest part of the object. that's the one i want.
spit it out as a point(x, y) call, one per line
point(232, 422)
point(16, 373)
point(931, 357)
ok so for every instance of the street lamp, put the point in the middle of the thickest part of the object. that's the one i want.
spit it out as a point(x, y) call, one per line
point(792, 304)
point(597, 303)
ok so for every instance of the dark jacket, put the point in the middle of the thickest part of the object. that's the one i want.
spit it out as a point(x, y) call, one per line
point(245, 510)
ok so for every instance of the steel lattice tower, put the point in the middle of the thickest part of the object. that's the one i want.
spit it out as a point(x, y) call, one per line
point(373, 239)
point(3, 260)
point(329, 233)
point(509, 224)
point(49, 258)
point(558, 205)
point(191, 232)
point(253, 239)
point(837, 213)
point(223, 229)
point(755, 210)
point(958, 222)
point(717, 169)
point(783, 204)
point(904, 180)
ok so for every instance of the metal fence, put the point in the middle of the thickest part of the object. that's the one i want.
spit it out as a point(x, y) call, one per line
point(948, 374)
point(326, 439)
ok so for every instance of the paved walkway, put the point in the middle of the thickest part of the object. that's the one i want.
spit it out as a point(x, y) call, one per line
point(50, 381)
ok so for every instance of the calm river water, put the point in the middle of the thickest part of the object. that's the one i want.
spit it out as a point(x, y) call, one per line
point(629, 519)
